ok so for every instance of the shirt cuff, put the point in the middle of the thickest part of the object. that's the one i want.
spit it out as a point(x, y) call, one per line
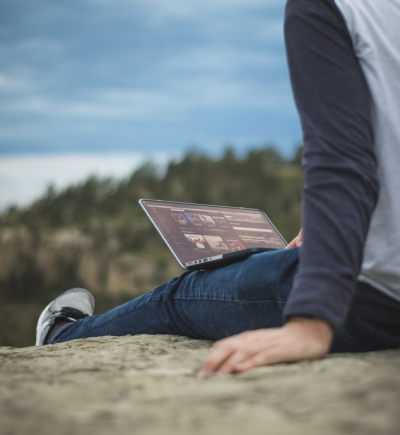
point(320, 293)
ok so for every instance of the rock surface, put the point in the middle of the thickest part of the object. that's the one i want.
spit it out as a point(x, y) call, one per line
point(146, 385)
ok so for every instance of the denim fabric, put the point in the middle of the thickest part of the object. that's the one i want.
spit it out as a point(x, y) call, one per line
point(219, 303)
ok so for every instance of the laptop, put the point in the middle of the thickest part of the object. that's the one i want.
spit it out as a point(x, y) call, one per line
point(204, 236)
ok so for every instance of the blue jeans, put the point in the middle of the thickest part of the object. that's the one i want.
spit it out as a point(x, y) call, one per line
point(219, 303)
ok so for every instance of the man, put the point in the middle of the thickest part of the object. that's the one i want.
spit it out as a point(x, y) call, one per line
point(340, 290)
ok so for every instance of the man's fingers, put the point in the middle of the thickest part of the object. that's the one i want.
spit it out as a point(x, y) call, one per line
point(253, 356)
point(219, 353)
point(229, 365)
point(292, 244)
point(296, 242)
point(273, 355)
point(227, 353)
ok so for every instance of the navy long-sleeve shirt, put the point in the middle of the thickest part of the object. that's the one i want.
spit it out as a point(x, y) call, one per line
point(340, 165)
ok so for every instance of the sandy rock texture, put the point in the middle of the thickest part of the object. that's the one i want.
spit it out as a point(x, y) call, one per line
point(146, 385)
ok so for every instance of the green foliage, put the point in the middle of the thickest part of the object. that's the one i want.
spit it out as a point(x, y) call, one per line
point(106, 215)
point(105, 208)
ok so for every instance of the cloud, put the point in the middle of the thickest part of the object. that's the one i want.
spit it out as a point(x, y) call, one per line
point(180, 97)
point(26, 177)
point(122, 73)
point(209, 17)
point(221, 60)
point(184, 8)
point(18, 81)
point(196, 77)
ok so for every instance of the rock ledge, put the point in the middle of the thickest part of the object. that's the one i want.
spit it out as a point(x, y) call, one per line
point(146, 385)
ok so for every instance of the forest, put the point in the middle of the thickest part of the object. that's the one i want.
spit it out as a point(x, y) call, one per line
point(95, 235)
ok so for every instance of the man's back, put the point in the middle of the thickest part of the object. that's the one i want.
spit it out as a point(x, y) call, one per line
point(373, 27)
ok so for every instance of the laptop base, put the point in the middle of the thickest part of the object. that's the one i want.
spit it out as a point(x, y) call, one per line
point(224, 259)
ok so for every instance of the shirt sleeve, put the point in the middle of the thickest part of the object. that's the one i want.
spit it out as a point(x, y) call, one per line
point(340, 170)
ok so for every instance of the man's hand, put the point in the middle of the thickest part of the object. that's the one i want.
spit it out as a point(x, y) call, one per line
point(301, 338)
point(296, 242)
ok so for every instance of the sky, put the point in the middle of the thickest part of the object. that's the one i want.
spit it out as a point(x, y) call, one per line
point(99, 86)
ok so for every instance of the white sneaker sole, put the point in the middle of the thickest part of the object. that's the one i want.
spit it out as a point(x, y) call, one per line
point(39, 325)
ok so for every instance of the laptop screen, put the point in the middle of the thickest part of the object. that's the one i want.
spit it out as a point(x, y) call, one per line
point(195, 231)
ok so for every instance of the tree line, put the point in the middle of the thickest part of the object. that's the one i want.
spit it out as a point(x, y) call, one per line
point(94, 234)
point(101, 207)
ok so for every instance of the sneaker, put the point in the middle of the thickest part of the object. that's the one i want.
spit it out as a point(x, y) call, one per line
point(70, 306)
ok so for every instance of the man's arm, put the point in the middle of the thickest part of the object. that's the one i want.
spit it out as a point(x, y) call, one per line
point(340, 193)
point(340, 172)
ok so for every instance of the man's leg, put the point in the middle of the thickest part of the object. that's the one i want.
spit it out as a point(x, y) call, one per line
point(362, 335)
point(205, 305)
point(216, 304)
